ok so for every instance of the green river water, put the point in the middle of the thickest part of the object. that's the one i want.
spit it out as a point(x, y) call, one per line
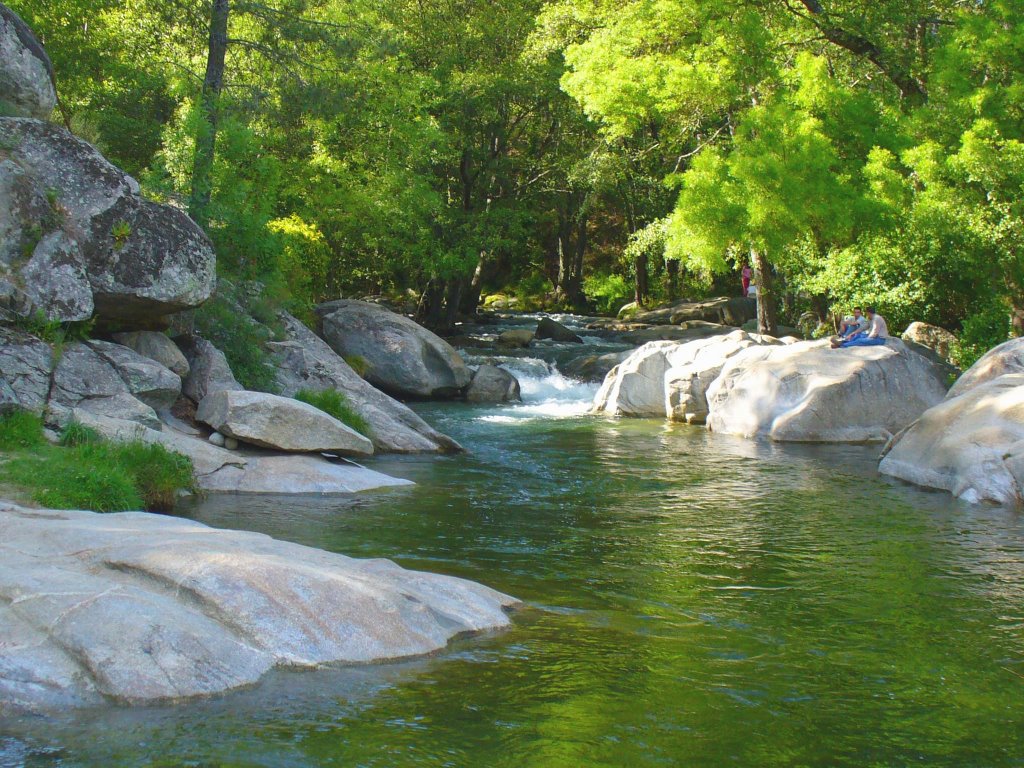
point(691, 600)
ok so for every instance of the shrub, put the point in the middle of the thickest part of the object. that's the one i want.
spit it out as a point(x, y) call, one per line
point(608, 292)
point(986, 328)
point(334, 403)
point(241, 339)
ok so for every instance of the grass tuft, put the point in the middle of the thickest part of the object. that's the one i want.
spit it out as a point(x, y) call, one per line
point(88, 472)
point(334, 403)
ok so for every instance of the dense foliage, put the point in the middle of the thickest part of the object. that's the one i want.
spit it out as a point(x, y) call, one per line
point(850, 151)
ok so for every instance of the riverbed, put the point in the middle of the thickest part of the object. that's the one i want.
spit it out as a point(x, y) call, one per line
point(691, 600)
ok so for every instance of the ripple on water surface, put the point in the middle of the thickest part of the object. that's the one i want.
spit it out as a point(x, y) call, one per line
point(694, 600)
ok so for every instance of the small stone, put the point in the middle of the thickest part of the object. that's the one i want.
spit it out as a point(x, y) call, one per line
point(230, 443)
point(217, 439)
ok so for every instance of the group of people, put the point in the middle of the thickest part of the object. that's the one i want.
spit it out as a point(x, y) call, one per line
point(862, 329)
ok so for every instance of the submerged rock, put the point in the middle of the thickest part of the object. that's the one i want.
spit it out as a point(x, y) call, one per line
point(809, 392)
point(517, 338)
point(305, 361)
point(401, 356)
point(971, 445)
point(492, 384)
point(137, 608)
point(95, 246)
point(26, 75)
point(594, 367)
point(271, 421)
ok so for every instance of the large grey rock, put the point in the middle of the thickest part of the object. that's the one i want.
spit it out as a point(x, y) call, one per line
point(492, 384)
point(554, 330)
point(272, 421)
point(139, 608)
point(80, 239)
point(25, 367)
point(668, 379)
point(937, 339)
point(809, 392)
point(594, 367)
point(1008, 357)
point(26, 75)
point(208, 369)
point(156, 346)
point(971, 445)
point(403, 358)
point(305, 361)
point(111, 380)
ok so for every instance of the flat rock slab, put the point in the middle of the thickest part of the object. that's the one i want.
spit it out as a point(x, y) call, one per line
point(272, 421)
point(140, 608)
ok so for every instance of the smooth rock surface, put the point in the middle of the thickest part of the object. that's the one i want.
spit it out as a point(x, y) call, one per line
point(281, 423)
point(668, 379)
point(1008, 357)
point(305, 361)
point(554, 330)
point(26, 75)
point(808, 392)
point(517, 338)
point(971, 445)
point(403, 358)
point(25, 367)
point(492, 384)
point(137, 608)
point(95, 245)
point(208, 369)
point(156, 346)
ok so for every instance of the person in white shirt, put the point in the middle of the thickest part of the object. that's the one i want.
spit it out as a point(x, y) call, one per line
point(874, 335)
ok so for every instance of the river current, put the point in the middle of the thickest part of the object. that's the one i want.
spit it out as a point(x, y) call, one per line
point(691, 600)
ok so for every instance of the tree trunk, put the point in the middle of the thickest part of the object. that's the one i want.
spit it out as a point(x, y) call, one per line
point(642, 281)
point(452, 299)
point(574, 288)
point(431, 306)
point(471, 294)
point(206, 138)
point(766, 322)
point(672, 273)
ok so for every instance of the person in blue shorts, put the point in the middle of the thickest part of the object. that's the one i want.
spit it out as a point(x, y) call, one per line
point(874, 335)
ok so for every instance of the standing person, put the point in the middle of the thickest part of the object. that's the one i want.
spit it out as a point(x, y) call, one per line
point(874, 336)
point(746, 275)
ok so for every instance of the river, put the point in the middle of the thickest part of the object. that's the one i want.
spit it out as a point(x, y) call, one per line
point(692, 600)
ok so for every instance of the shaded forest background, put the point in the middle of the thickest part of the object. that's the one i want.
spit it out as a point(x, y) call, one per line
point(578, 153)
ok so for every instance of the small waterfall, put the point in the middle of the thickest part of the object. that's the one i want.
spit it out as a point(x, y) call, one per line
point(546, 392)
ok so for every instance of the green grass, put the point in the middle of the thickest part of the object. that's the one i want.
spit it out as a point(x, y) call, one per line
point(358, 363)
point(333, 402)
point(88, 472)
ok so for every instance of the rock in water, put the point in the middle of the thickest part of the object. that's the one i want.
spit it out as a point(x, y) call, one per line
point(26, 76)
point(492, 384)
point(140, 608)
point(271, 421)
point(95, 245)
point(209, 371)
point(669, 379)
point(305, 361)
point(594, 367)
point(551, 329)
point(971, 445)
point(402, 357)
point(807, 392)
point(517, 338)
point(1008, 357)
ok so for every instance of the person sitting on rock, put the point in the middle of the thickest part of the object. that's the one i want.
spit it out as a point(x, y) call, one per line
point(852, 325)
point(873, 336)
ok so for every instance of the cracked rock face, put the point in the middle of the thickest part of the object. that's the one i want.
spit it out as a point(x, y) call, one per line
point(138, 608)
point(80, 241)
point(26, 75)
point(25, 367)
point(807, 392)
